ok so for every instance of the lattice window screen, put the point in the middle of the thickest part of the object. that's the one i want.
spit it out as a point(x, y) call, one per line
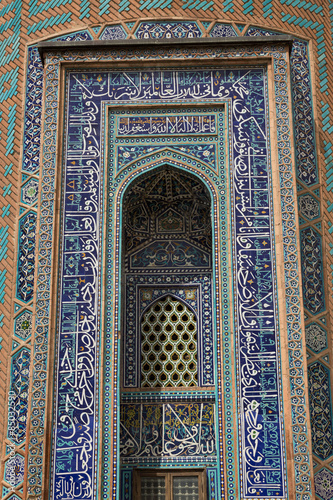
point(169, 345)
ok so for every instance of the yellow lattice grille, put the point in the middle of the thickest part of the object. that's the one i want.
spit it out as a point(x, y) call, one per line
point(168, 345)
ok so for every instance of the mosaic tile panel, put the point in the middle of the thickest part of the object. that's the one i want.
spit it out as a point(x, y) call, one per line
point(304, 129)
point(26, 257)
point(33, 104)
point(312, 270)
point(29, 193)
point(23, 325)
point(175, 227)
point(18, 396)
point(324, 484)
point(115, 32)
point(169, 29)
point(220, 30)
point(33, 112)
point(296, 361)
point(161, 130)
point(204, 153)
point(320, 410)
point(14, 470)
point(308, 206)
point(316, 337)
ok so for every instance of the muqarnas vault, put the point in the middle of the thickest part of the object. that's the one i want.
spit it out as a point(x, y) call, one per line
point(168, 269)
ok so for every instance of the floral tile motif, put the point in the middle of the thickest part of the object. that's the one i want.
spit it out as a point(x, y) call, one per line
point(23, 325)
point(115, 32)
point(316, 337)
point(171, 29)
point(222, 30)
point(18, 396)
point(29, 193)
point(26, 257)
point(320, 410)
point(324, 484)
point(312, 270)
point(14, 470)
point(308, 206)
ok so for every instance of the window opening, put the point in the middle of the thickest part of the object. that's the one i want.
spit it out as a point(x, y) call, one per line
point(184, 485)
point(169, 345)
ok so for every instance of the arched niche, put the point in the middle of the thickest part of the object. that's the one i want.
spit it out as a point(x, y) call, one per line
point(167, 351)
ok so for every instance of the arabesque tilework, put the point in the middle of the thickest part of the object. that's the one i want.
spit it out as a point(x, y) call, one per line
point(25, 23)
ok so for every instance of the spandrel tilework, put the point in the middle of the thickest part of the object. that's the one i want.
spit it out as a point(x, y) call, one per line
point(81, 239)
